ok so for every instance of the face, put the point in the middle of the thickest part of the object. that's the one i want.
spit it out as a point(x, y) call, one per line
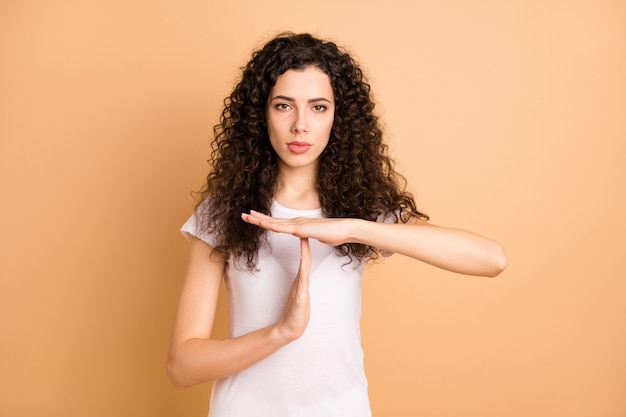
point(300, 113)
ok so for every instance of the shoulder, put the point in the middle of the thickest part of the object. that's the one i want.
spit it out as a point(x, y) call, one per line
point(197, 224)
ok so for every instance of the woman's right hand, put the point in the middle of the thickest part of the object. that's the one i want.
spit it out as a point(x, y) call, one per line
point(297, 312)
point(194, 356)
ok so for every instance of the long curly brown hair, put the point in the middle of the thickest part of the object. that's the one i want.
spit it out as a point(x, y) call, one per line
point(356, 176)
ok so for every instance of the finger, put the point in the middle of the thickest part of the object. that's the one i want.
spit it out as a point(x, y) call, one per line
point(259, 214)
point(305, 249)
point(305, 260)
point(255, 219)
point(288, 226)
point(259, 219)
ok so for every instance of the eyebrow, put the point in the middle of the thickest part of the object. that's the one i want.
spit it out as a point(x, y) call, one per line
point(291, 99)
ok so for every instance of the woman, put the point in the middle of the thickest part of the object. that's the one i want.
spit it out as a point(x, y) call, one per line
point(301, 195)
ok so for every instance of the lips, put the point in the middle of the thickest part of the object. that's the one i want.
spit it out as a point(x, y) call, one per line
point(298, 147)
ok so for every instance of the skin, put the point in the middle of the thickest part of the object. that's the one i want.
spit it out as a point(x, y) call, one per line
point(295, 113)
point(300, 110)
point(452, 249)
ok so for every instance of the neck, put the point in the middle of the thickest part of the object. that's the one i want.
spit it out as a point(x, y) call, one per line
point(297, 189)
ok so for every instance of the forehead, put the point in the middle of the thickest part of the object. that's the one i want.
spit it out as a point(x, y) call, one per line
point(307, 82)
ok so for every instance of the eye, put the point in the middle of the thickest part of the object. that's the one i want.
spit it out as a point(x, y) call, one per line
point(282, 106)
point(319, 108)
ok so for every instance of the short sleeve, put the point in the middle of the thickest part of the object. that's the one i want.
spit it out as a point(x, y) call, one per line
point(190, 228)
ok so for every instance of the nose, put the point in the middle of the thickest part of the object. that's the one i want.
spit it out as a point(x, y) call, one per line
point(300, 125)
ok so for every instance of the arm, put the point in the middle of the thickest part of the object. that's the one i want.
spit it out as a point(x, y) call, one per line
point(195, 357)
point(447, 248)
point(455, 250)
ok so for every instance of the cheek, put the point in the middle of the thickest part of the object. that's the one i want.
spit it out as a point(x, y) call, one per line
point(272, 129)
point(277, 124)
point(329, 125)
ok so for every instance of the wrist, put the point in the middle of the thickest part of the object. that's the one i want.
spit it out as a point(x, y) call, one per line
point(278, 337)
point(354, 230)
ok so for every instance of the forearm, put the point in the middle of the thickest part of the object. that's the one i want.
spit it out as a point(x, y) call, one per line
point(451, 249)
point(200, 360)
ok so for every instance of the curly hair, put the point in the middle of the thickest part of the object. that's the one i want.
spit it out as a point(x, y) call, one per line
point(356, 176)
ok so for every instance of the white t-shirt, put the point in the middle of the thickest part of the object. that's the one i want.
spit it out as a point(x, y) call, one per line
point(320, 374)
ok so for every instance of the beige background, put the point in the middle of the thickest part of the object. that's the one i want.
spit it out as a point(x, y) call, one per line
point(508, 118)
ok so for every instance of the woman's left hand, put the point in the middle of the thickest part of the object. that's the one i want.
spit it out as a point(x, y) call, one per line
point(448, 248)
point(331, 231)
